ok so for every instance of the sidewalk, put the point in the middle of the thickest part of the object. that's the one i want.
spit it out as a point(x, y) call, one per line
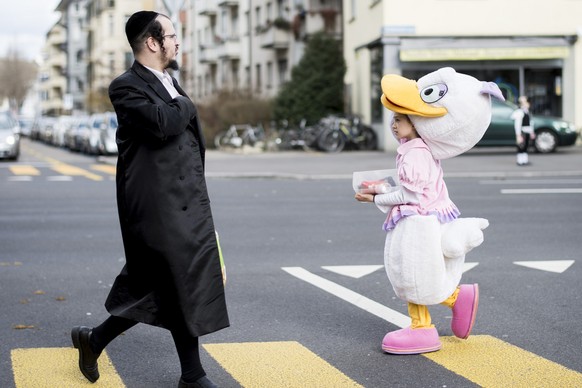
point(485, 162)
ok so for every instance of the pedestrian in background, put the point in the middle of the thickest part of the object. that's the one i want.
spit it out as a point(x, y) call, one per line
point(524, 130)
point(172, 277)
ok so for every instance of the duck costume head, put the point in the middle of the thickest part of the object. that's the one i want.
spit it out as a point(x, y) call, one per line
point(451, 111)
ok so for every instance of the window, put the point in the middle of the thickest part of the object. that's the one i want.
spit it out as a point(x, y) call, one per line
point(259, 85)
point(111, 26)
point(268, 12)
point(269, 75)
point(234, 22)
point(248, 19)
point(281, 11)
point(376, 66)
point(223, 19)
point(258, 20)
point(235, 80)
point(198, 86)
point(282, 70)
point(112, 63)
point(248, 77)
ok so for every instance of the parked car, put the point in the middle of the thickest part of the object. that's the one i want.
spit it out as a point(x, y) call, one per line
point(102, 134)
point(60, 128)
point(9, 136)
point(42, 129)
point(551, 132)
point(77, 135)
point(25, 123)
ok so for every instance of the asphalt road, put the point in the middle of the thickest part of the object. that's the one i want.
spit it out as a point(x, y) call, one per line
point(60, 250)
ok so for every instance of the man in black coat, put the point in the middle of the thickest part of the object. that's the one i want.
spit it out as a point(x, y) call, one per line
point(172, 277)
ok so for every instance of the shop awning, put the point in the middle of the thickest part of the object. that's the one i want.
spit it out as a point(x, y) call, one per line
point(480, 49)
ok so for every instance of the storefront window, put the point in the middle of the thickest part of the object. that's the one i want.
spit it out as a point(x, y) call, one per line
point(376, 64)
point(542, 85)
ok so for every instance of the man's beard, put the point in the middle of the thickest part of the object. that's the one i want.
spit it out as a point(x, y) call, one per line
point(173, 64)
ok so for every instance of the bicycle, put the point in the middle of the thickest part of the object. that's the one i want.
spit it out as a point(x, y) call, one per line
point(239, 135)
point(302, 137)
point(341, 131)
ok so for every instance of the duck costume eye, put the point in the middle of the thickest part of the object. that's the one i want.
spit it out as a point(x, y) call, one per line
point(433, 93)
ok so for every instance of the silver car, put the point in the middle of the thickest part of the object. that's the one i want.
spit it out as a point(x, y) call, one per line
point(102, 134)
point(9, 136)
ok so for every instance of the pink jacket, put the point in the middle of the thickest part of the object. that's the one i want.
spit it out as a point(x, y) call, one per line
point(420, 173)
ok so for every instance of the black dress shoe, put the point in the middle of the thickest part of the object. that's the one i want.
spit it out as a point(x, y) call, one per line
point(202, 382)
point(87, 358)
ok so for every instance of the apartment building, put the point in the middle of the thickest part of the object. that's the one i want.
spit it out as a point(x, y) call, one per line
point(527, 47)
point(74, 19)
point(249, 45)
point(108, 52)
point(52, 81)
point(225, 45)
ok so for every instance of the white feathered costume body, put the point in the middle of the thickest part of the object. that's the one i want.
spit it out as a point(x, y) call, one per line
point(451, 111)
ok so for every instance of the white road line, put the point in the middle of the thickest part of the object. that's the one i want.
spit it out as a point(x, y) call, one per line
point(350, 296)
point(20, 178)
point(541, 191)
point(59, 178)
point(531, 182)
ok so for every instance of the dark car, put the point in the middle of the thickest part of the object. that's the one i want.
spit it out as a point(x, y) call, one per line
point(551, 132)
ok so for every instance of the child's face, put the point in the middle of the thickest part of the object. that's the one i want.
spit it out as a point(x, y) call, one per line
point(402, 127)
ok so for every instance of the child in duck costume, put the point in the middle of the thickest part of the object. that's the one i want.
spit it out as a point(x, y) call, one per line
point(440, 116)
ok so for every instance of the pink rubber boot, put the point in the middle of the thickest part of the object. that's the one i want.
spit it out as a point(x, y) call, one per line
point(465, 310)
point(412, 341)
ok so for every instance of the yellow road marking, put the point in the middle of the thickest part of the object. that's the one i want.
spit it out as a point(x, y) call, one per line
point(490, 362)
point(67, 169)
point(52, 367)
point(106, 168)
point(24, 170)
point(273, 364)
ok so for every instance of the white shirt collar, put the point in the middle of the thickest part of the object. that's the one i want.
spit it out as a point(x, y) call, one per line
point(166, 80)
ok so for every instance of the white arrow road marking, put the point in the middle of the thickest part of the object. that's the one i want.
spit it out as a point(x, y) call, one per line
point(350, 296)
point(557, 266)
point(353, 271)
point(469, 266)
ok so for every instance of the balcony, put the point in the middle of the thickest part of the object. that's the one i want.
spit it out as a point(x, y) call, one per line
point(228, 3)
point(229, 49)
point(208, 54)
point(275, 38)
point(327, 19)
point(208, 8)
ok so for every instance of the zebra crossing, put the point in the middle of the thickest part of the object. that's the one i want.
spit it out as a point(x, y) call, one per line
point(484, 360)
point(260, 364)
point(57, 172)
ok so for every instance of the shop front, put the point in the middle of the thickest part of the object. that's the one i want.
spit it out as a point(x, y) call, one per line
point(538, 67)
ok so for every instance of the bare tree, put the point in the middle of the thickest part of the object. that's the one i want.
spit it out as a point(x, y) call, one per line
point(17, 75)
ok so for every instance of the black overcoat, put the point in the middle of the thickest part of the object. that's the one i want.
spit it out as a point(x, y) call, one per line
point(172, 271)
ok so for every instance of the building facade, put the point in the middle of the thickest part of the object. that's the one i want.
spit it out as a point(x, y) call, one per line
point(108, 52)
point(52, 81)
point(249, 45)
point(74, 18)
point(527, 47)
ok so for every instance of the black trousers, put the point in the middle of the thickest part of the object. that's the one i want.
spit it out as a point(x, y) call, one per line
point(186, 344)
point(524, 145)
